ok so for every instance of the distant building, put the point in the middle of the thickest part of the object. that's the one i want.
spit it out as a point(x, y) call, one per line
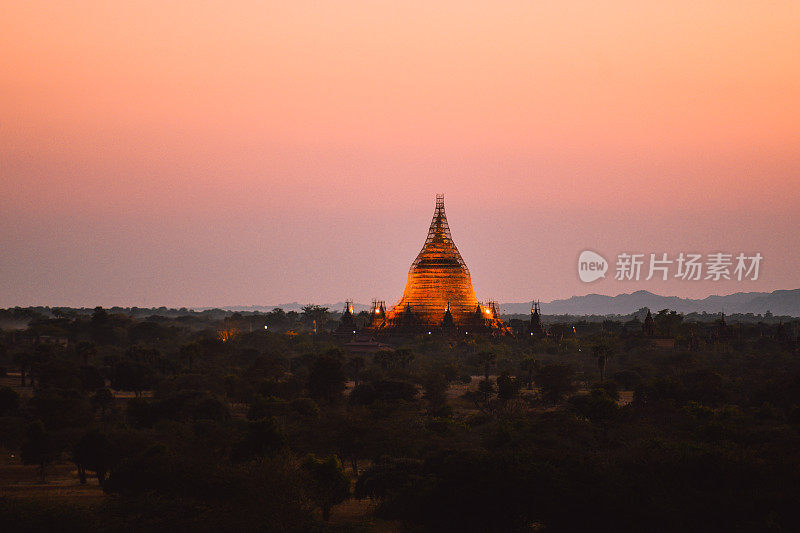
point(536, 328)
point(439, 294)
point(664, 342)
point(347, 324)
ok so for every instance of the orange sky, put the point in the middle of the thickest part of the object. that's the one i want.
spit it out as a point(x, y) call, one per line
point(220, 153)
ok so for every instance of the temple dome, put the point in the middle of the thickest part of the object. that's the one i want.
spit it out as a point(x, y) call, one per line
point(438, 278)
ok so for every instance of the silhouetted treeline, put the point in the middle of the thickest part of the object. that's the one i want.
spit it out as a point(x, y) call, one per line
point(208, 421)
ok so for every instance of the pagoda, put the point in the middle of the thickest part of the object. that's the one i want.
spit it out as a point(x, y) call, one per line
point(347, 324)
point(439, 293)
point(536, 327)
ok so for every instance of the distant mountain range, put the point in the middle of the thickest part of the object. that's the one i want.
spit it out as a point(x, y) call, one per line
point(781, 302)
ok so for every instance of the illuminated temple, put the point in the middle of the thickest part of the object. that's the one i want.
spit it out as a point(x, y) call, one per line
point(439, 294)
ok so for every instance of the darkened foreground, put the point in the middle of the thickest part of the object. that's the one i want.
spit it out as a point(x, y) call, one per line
point(209, 422)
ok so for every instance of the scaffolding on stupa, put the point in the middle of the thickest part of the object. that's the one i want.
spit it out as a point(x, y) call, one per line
point(439, 291)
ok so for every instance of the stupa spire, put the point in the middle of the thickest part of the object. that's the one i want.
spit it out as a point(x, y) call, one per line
point(438, 277)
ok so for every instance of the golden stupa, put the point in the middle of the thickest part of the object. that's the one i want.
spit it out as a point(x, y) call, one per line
point(439, 290)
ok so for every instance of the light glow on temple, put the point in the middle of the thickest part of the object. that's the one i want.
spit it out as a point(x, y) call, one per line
point(439, 291)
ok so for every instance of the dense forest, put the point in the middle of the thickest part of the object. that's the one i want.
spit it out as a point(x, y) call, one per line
point(210, 421)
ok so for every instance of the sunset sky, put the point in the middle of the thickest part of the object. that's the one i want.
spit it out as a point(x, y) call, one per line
point(210, 153)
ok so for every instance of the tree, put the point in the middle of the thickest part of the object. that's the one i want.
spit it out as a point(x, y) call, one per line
point(394, 360)
point(389, 390)
point(266, 366)
point(507, 387)
point(603, 353)
point(103, 400)
point(435, 388)
point(314, 314)
point(59, 408)
point(276, 317)
point(328, 483)
point(597, 406)
point(488, 360)
point(459, 491)
point(326, 379)
point(132, 376)
point(190, 353)
point(100, 316)
point(23, 361)
point(528, 367)
point(9, 400)
point(350, 434)
point(262, 407)
point(93, 452)
point(262, 438)
point(59, 373)
point(91, 378)
point(555, 381)
point(386, 390)
point(628, 379)
point(486, 388)
point(86, 350)
point(101, 327)
point(354, 366)
point(667, 321)
point(305, 407)
point(38, 447)
point(403, 358)
point(388, 477)
point(363, 394)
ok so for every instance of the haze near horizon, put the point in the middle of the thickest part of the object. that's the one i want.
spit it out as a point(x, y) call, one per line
point(211, 154)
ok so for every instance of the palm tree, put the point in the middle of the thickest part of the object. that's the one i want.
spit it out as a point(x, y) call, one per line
point(529, 366)
point(190, 352)
point(315, 314)
point(488, 359)
point(603, 353)
point(23, 360)
point(355, 365)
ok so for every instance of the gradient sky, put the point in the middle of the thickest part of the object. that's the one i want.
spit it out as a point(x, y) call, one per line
point(205, 153)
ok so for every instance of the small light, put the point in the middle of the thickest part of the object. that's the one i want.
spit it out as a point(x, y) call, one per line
point(429, 333)
point(266, 327)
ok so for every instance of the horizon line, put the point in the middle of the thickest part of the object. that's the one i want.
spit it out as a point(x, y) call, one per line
point(224, 307)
